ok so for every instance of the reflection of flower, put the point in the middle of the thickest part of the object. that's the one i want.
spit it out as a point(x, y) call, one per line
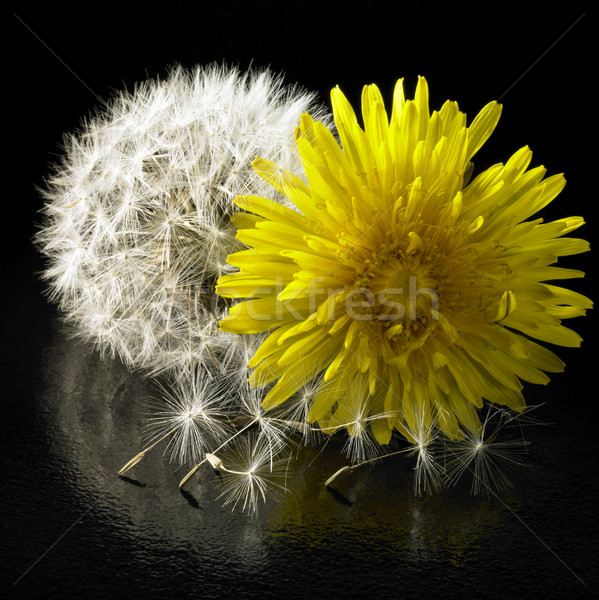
point(137, 224)
point(411, 292)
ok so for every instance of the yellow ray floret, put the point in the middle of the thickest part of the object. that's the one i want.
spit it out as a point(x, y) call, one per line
point(411, 292)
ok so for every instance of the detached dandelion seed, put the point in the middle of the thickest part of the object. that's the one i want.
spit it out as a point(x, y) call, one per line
point(428, 472)
point(194, 405)
point(490, 456)
point(189, 415)
point(252, 471)
point(294, 412)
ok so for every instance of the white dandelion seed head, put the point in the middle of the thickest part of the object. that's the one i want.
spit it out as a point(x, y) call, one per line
point(136, 225)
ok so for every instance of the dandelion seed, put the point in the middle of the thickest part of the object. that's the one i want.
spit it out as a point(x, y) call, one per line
point(194, 405)
point(252, 471)
point(295, 412)
point(428, 472)
point(490, 455)
point(247, 425)
point(188, 413)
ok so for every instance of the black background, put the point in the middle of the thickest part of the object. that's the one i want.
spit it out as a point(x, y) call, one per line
point(71, 528)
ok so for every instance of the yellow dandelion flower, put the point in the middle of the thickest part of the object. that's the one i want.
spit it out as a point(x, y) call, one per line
point(411, 292)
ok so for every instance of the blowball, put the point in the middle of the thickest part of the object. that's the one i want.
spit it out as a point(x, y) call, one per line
point(136, 227)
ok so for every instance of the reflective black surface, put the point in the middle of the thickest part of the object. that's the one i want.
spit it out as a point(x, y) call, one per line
point(71, 528)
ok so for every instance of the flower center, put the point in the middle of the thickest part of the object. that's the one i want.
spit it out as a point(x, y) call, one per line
point(420, 282)
point(397, 299)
